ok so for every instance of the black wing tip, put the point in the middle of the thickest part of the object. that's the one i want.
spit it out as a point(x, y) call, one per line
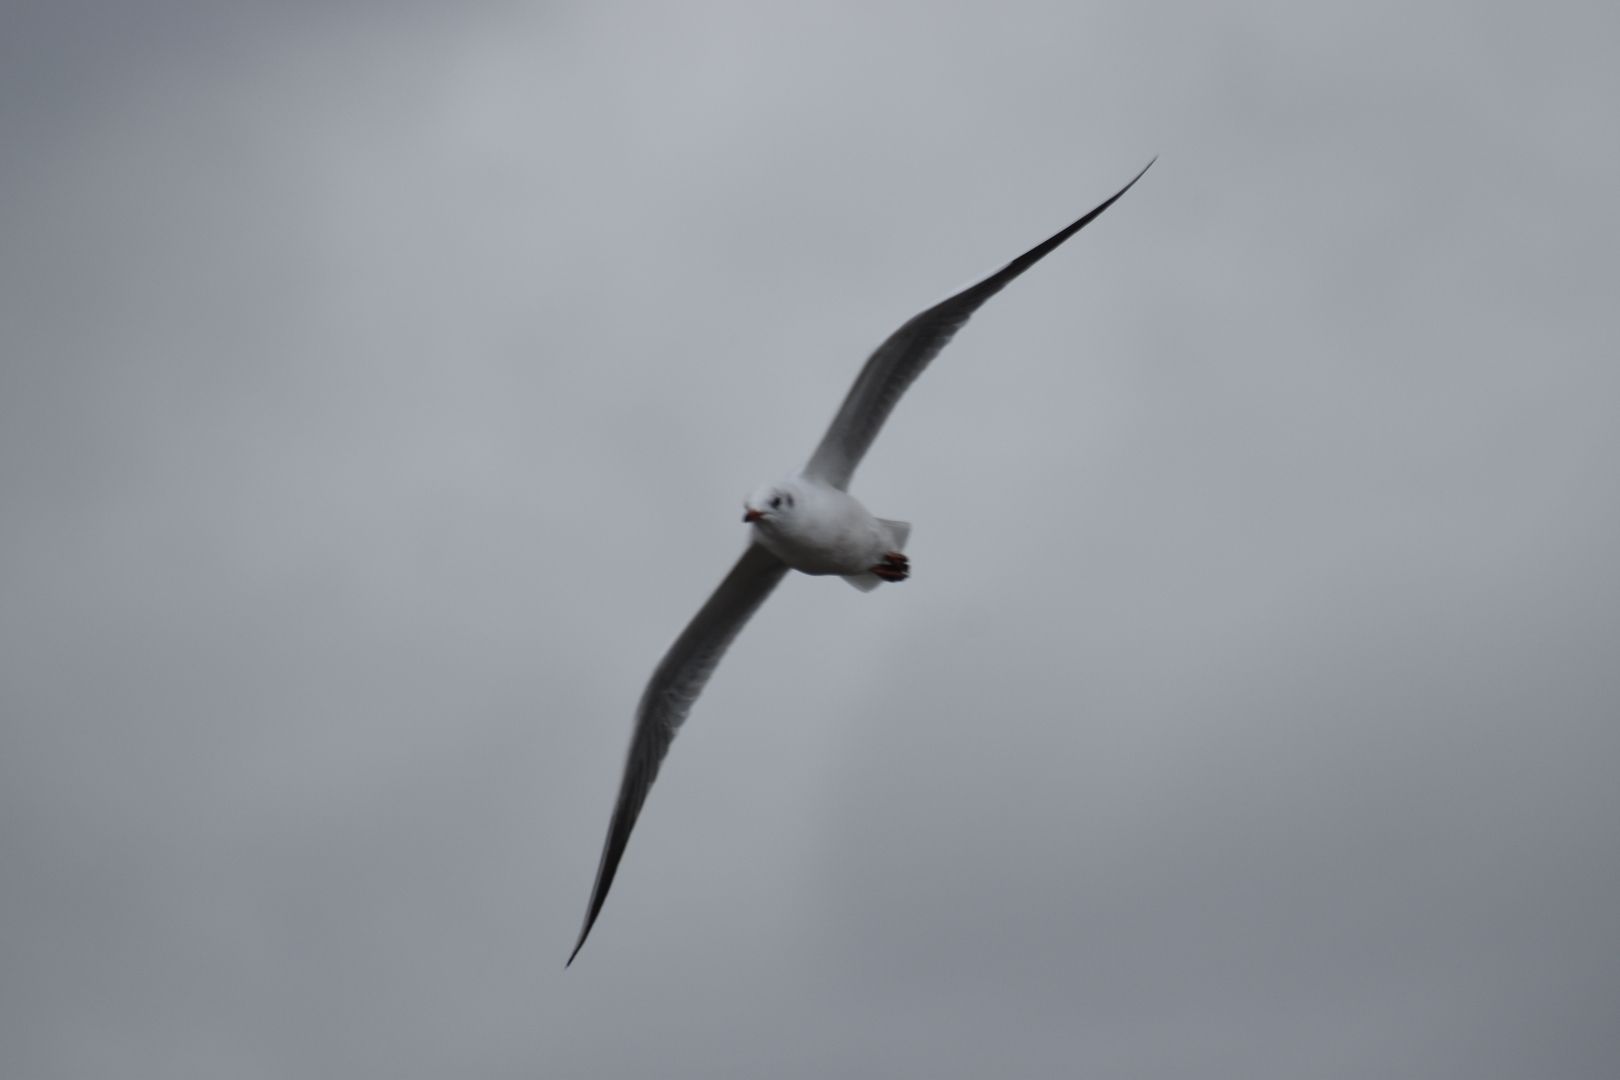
point(580, 944)
point(1041, 250)
point(1127, 187)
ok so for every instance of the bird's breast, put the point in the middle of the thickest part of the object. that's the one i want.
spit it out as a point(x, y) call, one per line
point(834, 536)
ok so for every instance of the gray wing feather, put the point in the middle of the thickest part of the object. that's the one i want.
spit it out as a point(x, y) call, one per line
point(674, 686)
point(900, 359)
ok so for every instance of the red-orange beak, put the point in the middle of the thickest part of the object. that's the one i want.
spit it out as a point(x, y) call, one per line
point(750, 515)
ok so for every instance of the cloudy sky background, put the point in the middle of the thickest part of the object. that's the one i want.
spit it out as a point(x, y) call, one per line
point(378, 387)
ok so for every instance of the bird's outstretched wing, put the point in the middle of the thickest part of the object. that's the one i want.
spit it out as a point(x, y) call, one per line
point(901, 358)
point(674, 686)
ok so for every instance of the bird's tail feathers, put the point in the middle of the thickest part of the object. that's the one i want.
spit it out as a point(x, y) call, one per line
point(865, 582)
point(899, 532)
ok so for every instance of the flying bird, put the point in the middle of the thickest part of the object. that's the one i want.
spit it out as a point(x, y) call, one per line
point(807, 522)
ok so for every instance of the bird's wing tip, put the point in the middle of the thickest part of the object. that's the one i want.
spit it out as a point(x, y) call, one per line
point(580, 944)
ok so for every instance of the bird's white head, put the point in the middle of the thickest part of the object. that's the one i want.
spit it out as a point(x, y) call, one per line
point(772, 504)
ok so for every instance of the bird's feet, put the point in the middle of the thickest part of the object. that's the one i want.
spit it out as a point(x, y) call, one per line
point(894, 567)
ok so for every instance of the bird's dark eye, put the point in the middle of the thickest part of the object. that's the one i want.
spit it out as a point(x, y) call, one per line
point(776, 502)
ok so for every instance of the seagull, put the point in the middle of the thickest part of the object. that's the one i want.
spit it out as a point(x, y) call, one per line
point(807, 522)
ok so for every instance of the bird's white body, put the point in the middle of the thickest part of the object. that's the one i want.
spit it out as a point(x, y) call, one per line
point(817, 529)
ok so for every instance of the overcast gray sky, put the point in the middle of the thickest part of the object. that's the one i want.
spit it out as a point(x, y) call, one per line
point(378, 387)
